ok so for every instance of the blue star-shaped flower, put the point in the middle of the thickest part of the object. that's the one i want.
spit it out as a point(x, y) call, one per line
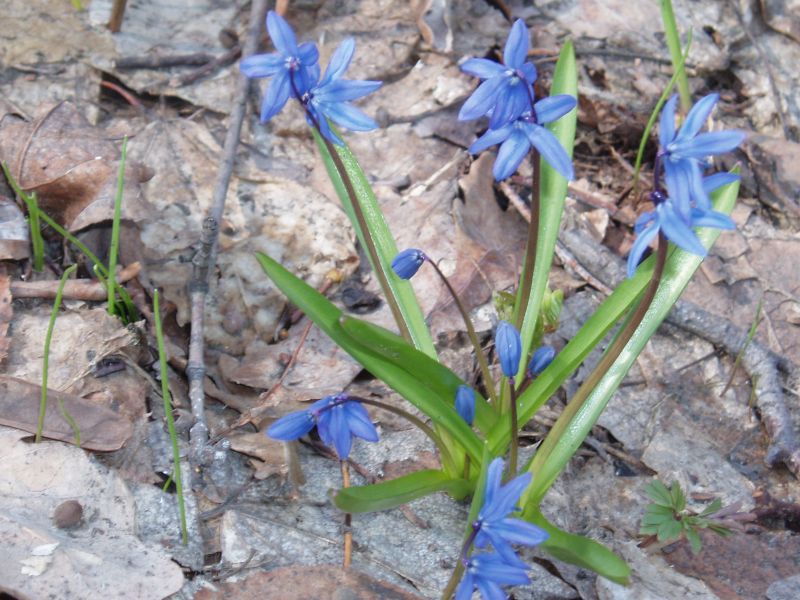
point(338, 418)
point(684, 152)
point(517, 138)
point(329, 98)
point(290, 61)
point(507, 91)
point(676, 227)
point(488, 572)
point(493, 523)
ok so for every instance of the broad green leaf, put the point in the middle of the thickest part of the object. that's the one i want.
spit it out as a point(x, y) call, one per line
point(389, 494)
point(669, 530)
point(712, 508)
point(676, 494)
point(581, 551)
point(385, 245)
point(327, 317)
point(435, 375)
point(694, 540)
point(553, 189)
point(678, 271)
point(659, 493)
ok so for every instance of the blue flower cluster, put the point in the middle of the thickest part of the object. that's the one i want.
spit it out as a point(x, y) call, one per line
point(686, 205)
point(295, 73)
point(516, 120)
point(338, 418)
point(488, 571)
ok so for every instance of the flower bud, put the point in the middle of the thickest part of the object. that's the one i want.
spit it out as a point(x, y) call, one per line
point(543, 356)
point(407, 263)
point(509, 347)
point(465, 403)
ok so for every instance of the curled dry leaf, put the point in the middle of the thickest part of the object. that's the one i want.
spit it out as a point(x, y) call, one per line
point(100, 556)
point(71, 166)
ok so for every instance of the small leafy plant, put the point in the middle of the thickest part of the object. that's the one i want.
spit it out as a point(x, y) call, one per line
point(668, 519)
point(475, 425)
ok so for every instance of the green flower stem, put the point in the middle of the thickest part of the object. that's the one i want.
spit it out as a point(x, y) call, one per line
point(512, 457)
point(446, 456)
point(111, 281)
point(674, 45)
point(46, 364)
point(606, 361)
point(488, 380)
point(173, 436)
point(533, 239)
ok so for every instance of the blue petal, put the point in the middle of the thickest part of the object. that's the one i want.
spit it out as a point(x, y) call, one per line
point(506, 552)
point(697, 117)
point(359, 422)
point(551, 150)
point(677, 184)
point(340, 432)
point(696, 187)
point(678, 232)
point(465, 403)
point(291, 426)
point(529, 71)
point(505, 500)
point(482, 67)
point(261, 65)
point(342, 90)
point(510, 104)
point(494, 476)
point(490, 138)
point(666, 125)
point(464, 590)
point(307, 53)
point(717, 180)
point(643, 221)
point(516, 51)
point(553, 108)
point(712, 218)
point(491, 567)
point(482, 99)
point(709, 144)
point(325, 127)
point(518, 531)
point(276, 96)
point(339, 61)
point(348, 116)
point(305, 79)
point(406, 264)
point(639, 246)
point(507, 342)
point(490, 590)
point(511, 153)
point(281, 34)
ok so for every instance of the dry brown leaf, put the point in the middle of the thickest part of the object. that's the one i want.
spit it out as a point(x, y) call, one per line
point(321, 582)
point(71, 166)
point(100, 428)
point(13, 232)
point(6, 312)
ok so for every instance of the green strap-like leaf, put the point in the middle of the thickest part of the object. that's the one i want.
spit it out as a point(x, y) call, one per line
point(581, 551)
point(327, 317)
point(389, 494)
point(553, 193)
point(381, 237)
point(678, 271)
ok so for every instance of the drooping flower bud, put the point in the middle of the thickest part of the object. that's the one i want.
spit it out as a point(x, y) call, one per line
point(407, 263)
point(509, 347)
point(543, 356)
point(465, 403)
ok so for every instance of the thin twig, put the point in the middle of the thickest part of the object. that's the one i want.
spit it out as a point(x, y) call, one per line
point(88, 290)
point(203, 262)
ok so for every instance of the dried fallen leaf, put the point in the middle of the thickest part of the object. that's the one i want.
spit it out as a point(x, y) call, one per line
point(13, 232)
point(6, 313)
point(100, 556)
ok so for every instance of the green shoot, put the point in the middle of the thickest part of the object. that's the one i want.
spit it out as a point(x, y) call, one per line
point(674, 45)
point(750, 335)
point(668, 519)
point(76, 4)
point(679, 69)
point(46, 364)
point(173, 436)
point(111, 283)
point(33, 219)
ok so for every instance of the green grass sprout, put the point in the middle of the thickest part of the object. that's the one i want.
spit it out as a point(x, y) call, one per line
point(111, 281)
point(173, 436)
point(659, 105)
point(750, 335)
point(674, 45)
point(46, 364)
point(33, 219)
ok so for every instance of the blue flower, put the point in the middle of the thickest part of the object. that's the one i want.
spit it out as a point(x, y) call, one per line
point(516, 138)
point(683, 152)
point(493, 523)
point(338, 418)
point(677, 228)
point(488, 572)
point(465, 403)
point(543, 356)
point(407, 263)
point(508, 345)
point(290, 61)
point(507, 91)
point(329, 98)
